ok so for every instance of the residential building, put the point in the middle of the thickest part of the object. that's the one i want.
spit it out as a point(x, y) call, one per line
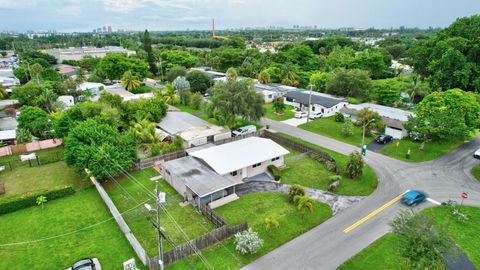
point(8, 79)
point(271, 92)
point(8, 136)
point(67, 101)
point(393, 118)
point(326, 104)
point(79, 53)
point(193, 130)
point(66, 70)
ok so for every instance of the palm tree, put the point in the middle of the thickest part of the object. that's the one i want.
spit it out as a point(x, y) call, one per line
point(130, 81)
point(145, 132)
point(170, 95)
point(41, 200)
point(270, 224)
point(304, 203)
point(278, 107)
point(3, 92)
point(264, 77)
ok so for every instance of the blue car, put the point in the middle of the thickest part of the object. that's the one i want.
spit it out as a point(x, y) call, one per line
point(413, 197)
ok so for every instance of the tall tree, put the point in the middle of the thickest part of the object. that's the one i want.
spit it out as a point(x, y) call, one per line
point(36, 121)
point(350, 83)
point(147, 46)
point(199, 81)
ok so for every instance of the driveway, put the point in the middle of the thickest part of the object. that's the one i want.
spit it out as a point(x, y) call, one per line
point(375, 147)
point(295, 121)
point(344, 235)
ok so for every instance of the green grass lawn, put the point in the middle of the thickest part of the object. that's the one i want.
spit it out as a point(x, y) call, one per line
point(314, 174)
point(432, 150)
point(29, 179)
point(193, 223)
point(61, 216)
point(476, 172)
point(329, 128)
point(44, 156)
point(270, 113)
point(385, 253)
point(254, 208)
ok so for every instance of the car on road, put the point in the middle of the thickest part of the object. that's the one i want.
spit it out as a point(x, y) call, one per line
point(244, 130)
point(86, 264)
point(384, 139)
point(477, 154)
point(300, 114)
point(316, 115)
point(413, 197)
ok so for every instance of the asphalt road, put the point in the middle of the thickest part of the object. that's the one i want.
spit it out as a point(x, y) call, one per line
point(327, 245)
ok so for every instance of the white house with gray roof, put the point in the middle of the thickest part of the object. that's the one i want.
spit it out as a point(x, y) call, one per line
point(326, 104)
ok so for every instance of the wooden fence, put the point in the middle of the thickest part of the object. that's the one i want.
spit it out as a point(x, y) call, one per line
point(197, 244)
point(150, 162)
point(29, 147)
point(211, 215)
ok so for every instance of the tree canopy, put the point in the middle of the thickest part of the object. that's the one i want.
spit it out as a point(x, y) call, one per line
point(114, 65)
point(36, 121)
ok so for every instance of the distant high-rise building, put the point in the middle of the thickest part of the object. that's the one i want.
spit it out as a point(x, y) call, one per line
point(99, 30)
point(104, 29)
point(109, 29)
point(94, 31)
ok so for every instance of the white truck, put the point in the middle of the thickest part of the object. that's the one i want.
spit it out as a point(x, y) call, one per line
point(244, 130)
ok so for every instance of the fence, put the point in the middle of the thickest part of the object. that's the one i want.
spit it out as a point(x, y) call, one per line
point(193, 246)
point(42, 158)
point(211, 215)
point(29, 147)
point(150, 162)
point(141, 253)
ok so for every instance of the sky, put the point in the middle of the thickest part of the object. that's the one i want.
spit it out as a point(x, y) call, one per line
point(85, 15)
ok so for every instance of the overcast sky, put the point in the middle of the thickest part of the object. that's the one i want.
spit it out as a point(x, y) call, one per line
point(85, 15)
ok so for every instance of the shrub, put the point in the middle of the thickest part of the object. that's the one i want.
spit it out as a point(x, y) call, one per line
point(271, 223)
point(339, 117)
point(18, 202)
point(354, 168)
point(142, 89)
point(274, 171)
point(331, 166)
point(334, 182)
point(295, 190)
point(347, 127)
point(156, 149)
point(197, 100)
point(248, 242)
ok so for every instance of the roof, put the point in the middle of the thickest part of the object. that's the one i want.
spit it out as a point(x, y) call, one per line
point(239, 154)
point(391, 117)
point(90, 85)
point(175, 122)
point(8, 134)
point(197, 176)
point(201, 132)
point(303, 97)
point(67, 100)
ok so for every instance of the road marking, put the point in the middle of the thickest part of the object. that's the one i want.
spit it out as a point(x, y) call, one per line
point(433, 201)
point(373, 213)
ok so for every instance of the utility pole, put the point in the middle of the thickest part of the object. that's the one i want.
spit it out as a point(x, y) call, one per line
point(309, 102)
point(159, 230)
point(364, 147)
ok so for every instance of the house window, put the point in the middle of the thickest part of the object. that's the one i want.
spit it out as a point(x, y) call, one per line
point(277, 158)
point(256, 165)
point(167, 171)
point(323, 110)
point(289, 99)
point(234, 173)
point(313, 108)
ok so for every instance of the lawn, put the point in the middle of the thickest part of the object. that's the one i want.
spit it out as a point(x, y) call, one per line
point(270, 113)
point(315, 177)
point(329, 128)
point(476, 172)
point(44, 156)
point(193, 223)
point(385, 254)
point(254, 208)
point(104, 241)
point(432, 150)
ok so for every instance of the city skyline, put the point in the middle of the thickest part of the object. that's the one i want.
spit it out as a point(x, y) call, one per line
point(83, 16)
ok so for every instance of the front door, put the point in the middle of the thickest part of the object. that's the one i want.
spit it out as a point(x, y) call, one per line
point(244, 173)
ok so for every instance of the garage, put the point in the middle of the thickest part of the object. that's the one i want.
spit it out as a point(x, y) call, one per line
point(396, 133)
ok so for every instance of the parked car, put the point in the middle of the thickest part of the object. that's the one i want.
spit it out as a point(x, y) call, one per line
point(316, 115)
point(300, 114)
point(244, 130)
point(86, 264)
point(413, 197)
point(477, 154)
point(384, 139)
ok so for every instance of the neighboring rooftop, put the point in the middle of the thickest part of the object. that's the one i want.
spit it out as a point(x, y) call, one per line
point(175, 122)
point(201, 132)
point(392, 113)
point(239, 154)
point(8, 135)
point(197, 176)
point(324, 100)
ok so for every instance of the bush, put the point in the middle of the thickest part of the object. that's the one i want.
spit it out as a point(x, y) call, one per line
point(248, 242)
point(331, 166)
point(156, 149)
point(354, 168)
point(275, 172)
point(339, 117)
point(295, 190)
point(347, 127)
point(334, 182)
point(142, 89)
point(197, 100)
point(18, 202)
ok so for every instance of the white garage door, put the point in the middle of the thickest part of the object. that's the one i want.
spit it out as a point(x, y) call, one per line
point(395, 133)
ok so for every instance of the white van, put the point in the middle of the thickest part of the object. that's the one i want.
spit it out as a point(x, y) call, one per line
point(244, 130)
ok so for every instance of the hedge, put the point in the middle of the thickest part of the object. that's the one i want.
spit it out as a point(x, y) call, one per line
point(18, 202)
point(274, 171)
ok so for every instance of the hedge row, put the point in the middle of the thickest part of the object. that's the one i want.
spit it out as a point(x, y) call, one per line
point(274, 171)
point(18, 202)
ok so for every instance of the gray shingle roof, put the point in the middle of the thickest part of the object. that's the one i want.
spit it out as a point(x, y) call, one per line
point(175, 122)
point(302, 98)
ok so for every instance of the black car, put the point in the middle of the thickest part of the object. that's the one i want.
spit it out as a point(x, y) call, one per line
point(384, 139)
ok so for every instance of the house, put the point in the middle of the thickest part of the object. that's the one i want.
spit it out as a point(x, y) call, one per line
point(193, 130)
point(211, 73)
point(326, 104)
point(8, 79)
point(66, 70)
point(270, 92)
point(78, 53)
point(67, 101)
point(126, 95)
point(92, 87)
point(152, 83)
point(393, 118)
point(210, 174)
point(8, 136)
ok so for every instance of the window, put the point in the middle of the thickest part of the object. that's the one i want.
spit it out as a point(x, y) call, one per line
point(289, 99)
point(323, 110)
point(234, 173)
point(256, 165)
point(167, 171)
point(313, 108)
point(277, 158)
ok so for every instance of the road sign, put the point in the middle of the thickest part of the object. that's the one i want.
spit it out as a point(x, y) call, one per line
point(464, 195)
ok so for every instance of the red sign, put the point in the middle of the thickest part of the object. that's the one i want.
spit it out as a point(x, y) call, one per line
point(464, 195)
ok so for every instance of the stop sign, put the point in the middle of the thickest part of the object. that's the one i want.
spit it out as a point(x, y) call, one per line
point(464, 195)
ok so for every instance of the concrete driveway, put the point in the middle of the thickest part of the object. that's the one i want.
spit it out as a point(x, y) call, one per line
point(344, 235)
point(295, 122)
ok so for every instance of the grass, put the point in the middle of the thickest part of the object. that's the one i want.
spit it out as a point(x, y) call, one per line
point(270, 113)
point(385, 253)
point(45, 177)
point(254, 208)
point(104, 241)
point(193, 223)
point(363, 186)
point(44, 156)
point(476, 172)
point(432, 150)
point(329, 128)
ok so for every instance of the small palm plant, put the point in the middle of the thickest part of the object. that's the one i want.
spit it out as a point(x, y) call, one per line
point(41, 200)
point(270, 224)
point(304, 203)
